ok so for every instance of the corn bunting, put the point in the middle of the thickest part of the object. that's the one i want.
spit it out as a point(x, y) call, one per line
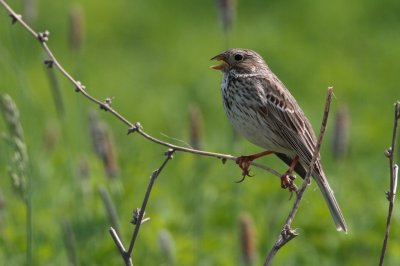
point(261, 108)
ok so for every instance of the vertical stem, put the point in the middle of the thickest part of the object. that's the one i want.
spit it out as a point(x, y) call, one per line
point(288, 234)
point(153, 178)
point(393, 168)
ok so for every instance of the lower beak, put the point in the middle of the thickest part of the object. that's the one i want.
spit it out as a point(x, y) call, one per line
point(223, 66)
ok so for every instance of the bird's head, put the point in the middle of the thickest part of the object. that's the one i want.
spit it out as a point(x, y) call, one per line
point(241, 61)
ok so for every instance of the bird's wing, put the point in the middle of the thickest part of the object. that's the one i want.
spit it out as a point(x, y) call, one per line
point(287, 117)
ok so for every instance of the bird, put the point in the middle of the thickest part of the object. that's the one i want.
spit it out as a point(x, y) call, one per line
point(261, 108)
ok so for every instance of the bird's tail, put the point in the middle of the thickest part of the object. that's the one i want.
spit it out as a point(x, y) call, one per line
point(324, 187)
point(333, 206)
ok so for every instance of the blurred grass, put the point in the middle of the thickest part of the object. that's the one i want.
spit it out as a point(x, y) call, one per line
point(153, 57)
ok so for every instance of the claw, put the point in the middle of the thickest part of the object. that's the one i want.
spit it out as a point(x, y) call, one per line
point(244, 163)
point(291, 195)
point(241, 180)
point(245, 173)
point(287, 182)
point(287, 179)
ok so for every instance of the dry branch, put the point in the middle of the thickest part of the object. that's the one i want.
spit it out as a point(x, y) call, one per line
point(393, 169)
point(287, 233)
point(43, 38)
point(139, 215)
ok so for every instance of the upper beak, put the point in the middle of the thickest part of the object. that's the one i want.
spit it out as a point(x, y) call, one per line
point(223, 66)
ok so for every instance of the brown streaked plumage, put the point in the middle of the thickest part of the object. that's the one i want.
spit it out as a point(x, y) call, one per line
point(261, 108)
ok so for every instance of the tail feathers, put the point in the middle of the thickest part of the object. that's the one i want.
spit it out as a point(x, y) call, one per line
point(330, 200)
point(323, 185)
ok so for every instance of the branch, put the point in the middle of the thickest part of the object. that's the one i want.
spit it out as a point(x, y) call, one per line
point(393, 168)
point(138, 216)
point(105, 105)
point(153, 178)
point(120, 246)
point(287, 233)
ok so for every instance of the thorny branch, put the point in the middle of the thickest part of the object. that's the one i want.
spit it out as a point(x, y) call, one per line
point(393, 169)
point(287, 233)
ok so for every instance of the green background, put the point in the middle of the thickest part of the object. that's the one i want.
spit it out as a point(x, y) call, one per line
point(153, 58)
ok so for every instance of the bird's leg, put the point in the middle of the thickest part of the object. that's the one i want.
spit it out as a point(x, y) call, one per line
point(244, 162)
point(287, 178)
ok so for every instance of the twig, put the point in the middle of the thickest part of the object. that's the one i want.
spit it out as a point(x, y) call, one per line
point(120, 246)
point(43, 37)
point(127, 255)
point(287, 233)
point(393, 168)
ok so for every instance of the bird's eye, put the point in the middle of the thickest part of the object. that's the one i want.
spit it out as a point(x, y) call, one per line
point(238, 57)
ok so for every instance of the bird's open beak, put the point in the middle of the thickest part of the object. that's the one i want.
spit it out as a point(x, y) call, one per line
point(223, 66)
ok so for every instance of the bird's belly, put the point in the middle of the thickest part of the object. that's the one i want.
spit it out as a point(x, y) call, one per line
point(249, 116)
point(254, 127)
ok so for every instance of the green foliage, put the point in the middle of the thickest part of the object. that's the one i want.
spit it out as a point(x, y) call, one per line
point(153, 57)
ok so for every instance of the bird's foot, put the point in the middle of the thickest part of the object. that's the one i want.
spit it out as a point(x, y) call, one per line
point(244, 163)
point(287, 179)
point(287, 182)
